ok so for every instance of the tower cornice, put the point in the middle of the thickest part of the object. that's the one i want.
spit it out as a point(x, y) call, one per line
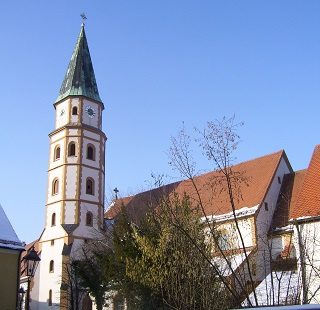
point(75, 96)
point(79, 126)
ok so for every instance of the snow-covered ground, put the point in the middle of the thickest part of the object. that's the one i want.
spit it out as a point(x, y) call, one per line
point(278, 288)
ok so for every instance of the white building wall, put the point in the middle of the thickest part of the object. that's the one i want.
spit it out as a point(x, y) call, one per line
point(229, 229)
point(95, 121)
point(52, 175)
point(71, 182)
point(83, 230)
point(263, 221)
point(54, 163)
point(62, 113)
point(96, 144)
point(94, 174)
point(268, 206)
point(276, 245)
point(69, 212)
point(58, 136)
point(72, 132)
point(308, 254)
point(55, 230)
point(53, 279)
point(91, 135)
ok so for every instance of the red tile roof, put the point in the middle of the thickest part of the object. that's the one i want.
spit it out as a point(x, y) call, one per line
point(288, 196)
point(254, 177)
point(308, 201)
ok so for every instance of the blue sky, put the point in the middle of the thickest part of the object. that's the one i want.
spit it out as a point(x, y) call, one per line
point(157, 64)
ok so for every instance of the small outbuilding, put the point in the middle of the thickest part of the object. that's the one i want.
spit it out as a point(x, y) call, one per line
point(10, 254)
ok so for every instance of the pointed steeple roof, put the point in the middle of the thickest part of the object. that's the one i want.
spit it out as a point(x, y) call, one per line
point(80, 79)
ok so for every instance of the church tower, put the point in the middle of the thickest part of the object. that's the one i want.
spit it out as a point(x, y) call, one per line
point(76, 173)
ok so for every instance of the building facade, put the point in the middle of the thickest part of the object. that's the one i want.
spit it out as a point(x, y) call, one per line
point(278, 215)
point(277, 206)
point(75, 188)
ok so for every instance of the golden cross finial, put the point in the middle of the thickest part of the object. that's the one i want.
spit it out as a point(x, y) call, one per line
point(116, 193)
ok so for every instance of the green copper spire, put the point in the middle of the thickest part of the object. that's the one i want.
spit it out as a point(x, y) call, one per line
point(79, 79)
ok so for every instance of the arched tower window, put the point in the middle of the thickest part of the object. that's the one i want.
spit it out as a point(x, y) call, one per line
point(89, 219)
point(89, 186)
point(74, 111)
point(53, 219)
point(57, 152)
point(90, 152)
point(51, 266)
point(50, 298)
point(55, 186)
point(72, 149)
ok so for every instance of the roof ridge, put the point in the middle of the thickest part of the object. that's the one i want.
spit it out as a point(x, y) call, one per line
point(263, 156)
point(203, 174)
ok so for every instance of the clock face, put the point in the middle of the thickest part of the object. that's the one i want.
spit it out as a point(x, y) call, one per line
point(90, 111)
point(62, 112)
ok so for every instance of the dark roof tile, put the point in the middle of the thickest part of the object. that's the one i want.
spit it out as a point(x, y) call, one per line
point(80, 79)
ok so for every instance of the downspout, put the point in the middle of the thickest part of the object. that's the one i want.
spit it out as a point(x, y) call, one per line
point(302, 264)
point(19, 278)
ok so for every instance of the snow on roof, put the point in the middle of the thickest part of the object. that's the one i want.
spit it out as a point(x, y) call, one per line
point(305, 218)
point(243, 212)
point(287, 228)
point(8, 237)
point(278, 288)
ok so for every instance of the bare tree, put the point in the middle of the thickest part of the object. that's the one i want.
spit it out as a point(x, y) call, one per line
point(218, 141)
point(74, 292)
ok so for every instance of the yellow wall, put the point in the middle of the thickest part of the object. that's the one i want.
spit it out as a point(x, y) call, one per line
point(9, 267)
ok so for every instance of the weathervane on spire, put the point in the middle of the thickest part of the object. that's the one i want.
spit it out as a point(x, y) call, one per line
point(83, 16)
